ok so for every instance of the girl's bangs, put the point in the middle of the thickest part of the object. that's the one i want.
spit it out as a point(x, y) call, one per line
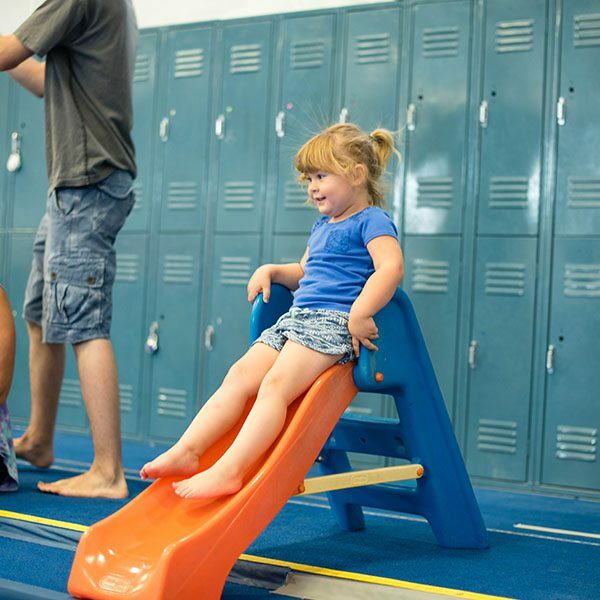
point(317, 155)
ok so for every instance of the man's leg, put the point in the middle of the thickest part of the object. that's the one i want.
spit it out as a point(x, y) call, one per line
point(46, 369)
point(99, 386)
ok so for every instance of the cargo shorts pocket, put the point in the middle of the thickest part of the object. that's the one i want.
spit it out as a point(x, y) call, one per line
point(73, 291)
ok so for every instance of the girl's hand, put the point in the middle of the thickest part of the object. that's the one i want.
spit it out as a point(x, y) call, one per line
point(260, 282)
point(362, 330)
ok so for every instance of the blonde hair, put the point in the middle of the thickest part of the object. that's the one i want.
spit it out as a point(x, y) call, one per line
point(339, 148)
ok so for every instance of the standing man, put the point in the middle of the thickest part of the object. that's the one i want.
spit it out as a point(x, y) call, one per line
point(86, 83)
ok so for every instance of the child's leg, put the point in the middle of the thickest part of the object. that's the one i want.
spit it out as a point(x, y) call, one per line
point(294, 371)
point(220, 413)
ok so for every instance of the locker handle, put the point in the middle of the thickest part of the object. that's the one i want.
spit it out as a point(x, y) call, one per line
point(550, 359)
point(14, 161)
point(483, 113)
point(473, 354)
point(280, 124)
point(344, 114)
point(220, 127)
point(209, 337)
point(411, 117)
point(151, 345)
point(561, 111)
point(163, 130)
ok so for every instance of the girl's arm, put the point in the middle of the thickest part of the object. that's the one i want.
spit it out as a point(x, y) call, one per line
point(7, 346)
point(378, 291)
point(288, 275)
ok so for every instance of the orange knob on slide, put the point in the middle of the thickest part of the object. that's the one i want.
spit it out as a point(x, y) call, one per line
point(378, 377)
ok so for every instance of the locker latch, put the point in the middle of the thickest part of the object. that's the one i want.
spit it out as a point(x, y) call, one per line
point(473, 354)
point(14, 161)
point(550, 359)
point(151, 345)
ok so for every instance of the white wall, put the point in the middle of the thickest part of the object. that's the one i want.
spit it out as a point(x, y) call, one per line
point(156, 13)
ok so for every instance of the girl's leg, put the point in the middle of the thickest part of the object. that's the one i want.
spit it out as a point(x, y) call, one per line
point(295, 369)
point(217, 416)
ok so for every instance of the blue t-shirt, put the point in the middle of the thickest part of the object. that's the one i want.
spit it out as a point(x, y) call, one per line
point(339, 263)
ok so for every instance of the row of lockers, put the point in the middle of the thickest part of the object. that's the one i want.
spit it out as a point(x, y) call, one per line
point(497, 198)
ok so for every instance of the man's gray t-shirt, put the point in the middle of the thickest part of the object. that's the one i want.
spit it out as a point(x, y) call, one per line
point(90, 55)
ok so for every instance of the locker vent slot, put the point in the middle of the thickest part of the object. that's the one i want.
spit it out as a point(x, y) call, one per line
point(245, 58)
point(172, 403)
point(178, 268)
point(430, 276)
point(182, 195)
point(138, 186)
point(434, 192)
point(586, 30)
point(514, 36)
point(576, 443)
point(440, 42)
point(128, 268)
point(309, 54)
point(235, 270)
point(583, 193)
point(372, 49)
point(504, 279)
point(141, 70)
point(582, 281)
point(295, 196)
point(126, 395)
point(70, 393)
point(497, 436)
point(189, 63)
point(508, 192)
point(239, 195)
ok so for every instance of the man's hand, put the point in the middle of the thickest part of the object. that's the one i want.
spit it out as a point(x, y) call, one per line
point(260, 282)
point(363, 330)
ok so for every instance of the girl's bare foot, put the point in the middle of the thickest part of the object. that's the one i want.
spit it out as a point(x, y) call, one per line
point(39, 455)
point(177, 460)
point(208, 484)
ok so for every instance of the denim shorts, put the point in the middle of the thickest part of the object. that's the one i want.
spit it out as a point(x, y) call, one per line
point(323, 330)
point(69, 292)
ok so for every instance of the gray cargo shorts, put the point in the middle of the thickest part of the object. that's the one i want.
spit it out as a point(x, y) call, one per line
point(69, 291)
point(323, 330)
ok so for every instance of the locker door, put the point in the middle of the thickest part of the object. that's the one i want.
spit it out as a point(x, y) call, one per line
point(4, 151)
point(145, 131)
point(304, 109)
point(436, 118)
point(241, 127)
point(500, 362)
point(511, 113)
point(371, 68)
point(572, 421)
point(578, 167)
point(128, 325)
point(432, 280)
point(175, 365)
point(30, 181)
point(235, 258)
point(185, 129)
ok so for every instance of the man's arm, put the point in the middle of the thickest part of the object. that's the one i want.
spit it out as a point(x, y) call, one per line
point(15, 58)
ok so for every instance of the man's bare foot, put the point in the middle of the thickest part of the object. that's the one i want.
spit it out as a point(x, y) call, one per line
point(177, 460)
point(208, 484)
point(39, 455)
point(90, 484)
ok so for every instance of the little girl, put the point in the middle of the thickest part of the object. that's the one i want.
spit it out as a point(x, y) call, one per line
point(350, 270)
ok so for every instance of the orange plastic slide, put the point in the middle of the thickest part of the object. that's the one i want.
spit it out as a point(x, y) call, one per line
point(160, 546)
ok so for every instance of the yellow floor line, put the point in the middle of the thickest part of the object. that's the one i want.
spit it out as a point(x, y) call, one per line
point(397, 583)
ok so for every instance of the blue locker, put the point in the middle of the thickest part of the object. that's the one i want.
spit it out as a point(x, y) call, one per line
point(144, 129)
point(4, 152)
point(572, 412)
point(234, 260)
point(128, 325)
point(510, 117)
point(436, 118)
point(500, 363)
point(184, 129)
point(241, 126)
point(305, 107)
point(176, 322)
point(578, 168)
point(432, 280)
